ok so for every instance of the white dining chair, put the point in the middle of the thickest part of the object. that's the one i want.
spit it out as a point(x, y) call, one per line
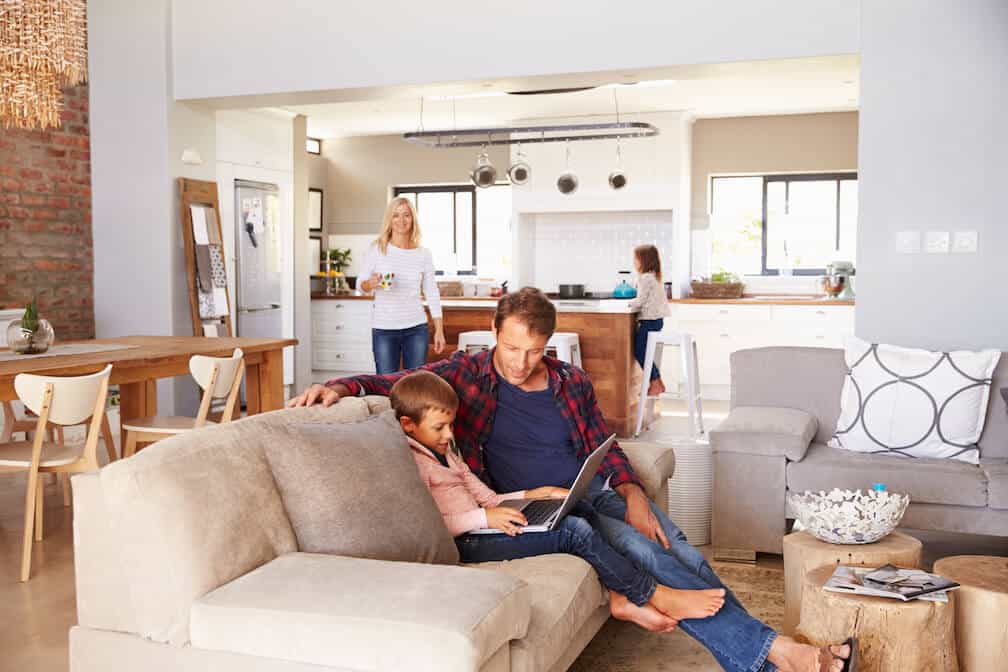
point(219, 377)
point(58, 401)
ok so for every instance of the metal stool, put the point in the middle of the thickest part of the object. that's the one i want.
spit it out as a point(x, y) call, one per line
point(564, 345)
point(657, 340)
point(476, 341)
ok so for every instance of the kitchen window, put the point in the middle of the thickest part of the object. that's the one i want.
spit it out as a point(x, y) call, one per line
point(780, 224)
point(313, 146)
point(464, 228)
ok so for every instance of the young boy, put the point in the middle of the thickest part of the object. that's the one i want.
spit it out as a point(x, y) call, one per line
point(425, 405)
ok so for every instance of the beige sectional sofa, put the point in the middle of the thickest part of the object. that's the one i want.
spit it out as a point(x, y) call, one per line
point(186, 560)
point(784, 407)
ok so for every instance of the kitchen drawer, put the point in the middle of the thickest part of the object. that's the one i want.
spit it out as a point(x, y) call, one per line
point(338, 328)
point(839, 316)
point(333, 308)
point(721, 312)
point(325, 357)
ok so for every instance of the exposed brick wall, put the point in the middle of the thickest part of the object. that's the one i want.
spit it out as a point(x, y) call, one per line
point(45, 220)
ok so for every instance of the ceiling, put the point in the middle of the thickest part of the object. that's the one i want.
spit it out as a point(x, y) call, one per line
point(792, 86)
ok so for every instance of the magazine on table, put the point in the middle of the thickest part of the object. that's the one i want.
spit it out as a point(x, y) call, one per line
point(889, 581)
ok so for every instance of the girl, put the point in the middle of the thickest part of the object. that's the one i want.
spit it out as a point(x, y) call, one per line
point(653, 306)
point(400, 267)
point(425, 406)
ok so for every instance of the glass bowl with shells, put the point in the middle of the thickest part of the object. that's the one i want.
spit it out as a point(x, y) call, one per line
point(848, 516)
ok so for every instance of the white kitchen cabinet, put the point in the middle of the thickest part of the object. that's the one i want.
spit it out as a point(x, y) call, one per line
point(720, 329)
point(341, 337)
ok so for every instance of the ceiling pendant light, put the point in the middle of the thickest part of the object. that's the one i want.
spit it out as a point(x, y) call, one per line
point(483, 174)
point(520, 171)
point(617, 178)
point(567, 183)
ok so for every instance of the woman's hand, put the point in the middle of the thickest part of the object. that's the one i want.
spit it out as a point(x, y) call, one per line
point(546, 492)
point(507, 520)
point(371, 283)
point(439, 340)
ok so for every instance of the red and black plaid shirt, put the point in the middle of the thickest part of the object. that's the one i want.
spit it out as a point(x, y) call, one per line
point(475, 381)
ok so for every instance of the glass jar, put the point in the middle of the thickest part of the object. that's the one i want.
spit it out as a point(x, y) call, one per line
point(25, 342)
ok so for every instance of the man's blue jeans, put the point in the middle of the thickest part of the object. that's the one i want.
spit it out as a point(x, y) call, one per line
point(389, 345)
point(575, 535)
point(739, 642)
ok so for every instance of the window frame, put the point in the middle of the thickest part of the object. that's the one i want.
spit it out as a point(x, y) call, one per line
point(837, 177)
point(447, 189)
point(315, 140)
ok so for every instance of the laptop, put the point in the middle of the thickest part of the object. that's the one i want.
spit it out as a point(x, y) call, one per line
point(544, 514)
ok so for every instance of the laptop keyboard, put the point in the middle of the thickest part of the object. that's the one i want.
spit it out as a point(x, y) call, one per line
point(540, 511)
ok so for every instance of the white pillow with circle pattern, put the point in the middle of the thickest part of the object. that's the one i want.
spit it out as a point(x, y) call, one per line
point(914, 403)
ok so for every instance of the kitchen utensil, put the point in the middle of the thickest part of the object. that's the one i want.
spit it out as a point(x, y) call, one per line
point(624, 290)
point(836, 282)
point(572, 291)
point(669, 292)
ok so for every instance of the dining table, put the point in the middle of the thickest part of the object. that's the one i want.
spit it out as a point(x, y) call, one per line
point(139, 361)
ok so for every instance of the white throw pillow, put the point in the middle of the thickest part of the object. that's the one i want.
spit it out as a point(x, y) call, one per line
point(914, 403)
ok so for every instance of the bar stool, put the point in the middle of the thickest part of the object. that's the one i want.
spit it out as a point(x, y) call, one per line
point(657, 340)
point(564, 345)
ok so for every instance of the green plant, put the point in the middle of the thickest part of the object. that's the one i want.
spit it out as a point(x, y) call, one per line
point(340, 258)
point(723, 276)
point(30, 320)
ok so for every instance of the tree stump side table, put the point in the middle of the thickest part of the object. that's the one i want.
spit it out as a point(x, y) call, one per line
point(981, 609)
point(913, 636)
point(803, 552)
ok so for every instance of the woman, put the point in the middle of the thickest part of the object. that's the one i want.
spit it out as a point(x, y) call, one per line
point(397, 268)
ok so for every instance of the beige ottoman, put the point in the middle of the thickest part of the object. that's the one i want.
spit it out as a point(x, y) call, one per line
point(981, 609)
point(803, 552)
point(893, 635)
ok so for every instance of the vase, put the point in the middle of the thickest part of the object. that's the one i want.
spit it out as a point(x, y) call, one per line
point(26, 342)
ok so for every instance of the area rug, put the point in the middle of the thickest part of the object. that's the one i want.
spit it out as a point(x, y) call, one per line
point(622, 647)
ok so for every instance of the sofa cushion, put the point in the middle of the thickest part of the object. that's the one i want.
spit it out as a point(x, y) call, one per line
point(358, 614)
point(654, 463)
point(353, 489)
point(194, 511)
point(996, 472)
point(933, 481)
point(765, 430)
point(565, 592)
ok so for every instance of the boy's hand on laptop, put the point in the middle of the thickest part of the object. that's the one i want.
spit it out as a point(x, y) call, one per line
point(509, 521)
point(546, 492)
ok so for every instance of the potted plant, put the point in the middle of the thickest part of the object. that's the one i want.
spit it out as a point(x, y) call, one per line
point(338, 260)
point(30, 335)
point(720, 285)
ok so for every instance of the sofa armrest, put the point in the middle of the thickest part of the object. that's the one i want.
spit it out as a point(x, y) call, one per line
point(366, 615)
point(765, 430)
point(654, 463)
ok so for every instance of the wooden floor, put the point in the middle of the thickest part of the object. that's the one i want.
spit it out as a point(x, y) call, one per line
point(35, 616)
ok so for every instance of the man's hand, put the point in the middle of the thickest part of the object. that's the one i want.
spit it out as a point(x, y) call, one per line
point(639, 513)
point(507, 520)
point(546, 492)
point(319, 394)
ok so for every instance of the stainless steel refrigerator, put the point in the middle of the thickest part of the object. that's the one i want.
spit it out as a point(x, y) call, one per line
point(258, 252)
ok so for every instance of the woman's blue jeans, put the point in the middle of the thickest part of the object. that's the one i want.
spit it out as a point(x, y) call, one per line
point(392, 345)
point(645, 327)
point(739, 642)
point(576, 535)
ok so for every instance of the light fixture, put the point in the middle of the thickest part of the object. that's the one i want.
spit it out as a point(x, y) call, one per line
point(520, 171)
point(567, 183)
point(43, 48)
point(483, 174)
point(617, 178)
point(514, 135)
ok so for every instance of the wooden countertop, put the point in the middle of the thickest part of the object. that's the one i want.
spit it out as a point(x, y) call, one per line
point(781, 300)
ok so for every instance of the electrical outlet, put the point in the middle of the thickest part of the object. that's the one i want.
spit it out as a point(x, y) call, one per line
point(964, 241)
point(936, 242)
point(908, 242)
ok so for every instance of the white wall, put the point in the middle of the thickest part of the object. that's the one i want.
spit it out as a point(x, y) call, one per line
point(933, 140)
point(241, 47)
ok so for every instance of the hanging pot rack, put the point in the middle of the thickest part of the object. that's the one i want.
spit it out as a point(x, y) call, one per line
point(511, 135)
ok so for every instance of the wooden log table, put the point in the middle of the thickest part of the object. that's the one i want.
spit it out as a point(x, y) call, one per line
point(893, 635)
point(981, 609)
point(803, 552)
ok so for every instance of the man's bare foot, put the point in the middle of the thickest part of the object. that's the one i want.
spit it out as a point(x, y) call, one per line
point(791, 656)
point(646, 617)
point(680, 604)
point(656, 387)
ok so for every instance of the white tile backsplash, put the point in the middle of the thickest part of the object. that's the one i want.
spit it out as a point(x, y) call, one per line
point(590, 248)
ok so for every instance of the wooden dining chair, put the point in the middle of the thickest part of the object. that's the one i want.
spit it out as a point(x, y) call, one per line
point(59, 401)
point(219, 377)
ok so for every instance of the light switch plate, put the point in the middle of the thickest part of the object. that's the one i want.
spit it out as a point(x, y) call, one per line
point(936, 242)
point(908, 242)
point(964, 241)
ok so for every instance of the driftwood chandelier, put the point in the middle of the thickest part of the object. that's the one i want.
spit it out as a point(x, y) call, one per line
point(43, 48)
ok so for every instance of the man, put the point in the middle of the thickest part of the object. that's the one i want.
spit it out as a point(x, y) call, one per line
point(527, 420)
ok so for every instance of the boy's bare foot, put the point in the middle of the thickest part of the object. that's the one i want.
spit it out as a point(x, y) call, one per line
point(680, 604)
point(791, 656)
point(646, 617)
point(656, 387)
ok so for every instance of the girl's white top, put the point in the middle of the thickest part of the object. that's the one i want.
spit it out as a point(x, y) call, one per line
point(650, 298)
point(401, 306)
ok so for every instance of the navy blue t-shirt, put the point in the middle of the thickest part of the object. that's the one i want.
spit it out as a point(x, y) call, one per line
point(530, 443)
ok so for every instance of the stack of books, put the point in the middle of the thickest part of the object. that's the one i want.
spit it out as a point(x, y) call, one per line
point(889, 581)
